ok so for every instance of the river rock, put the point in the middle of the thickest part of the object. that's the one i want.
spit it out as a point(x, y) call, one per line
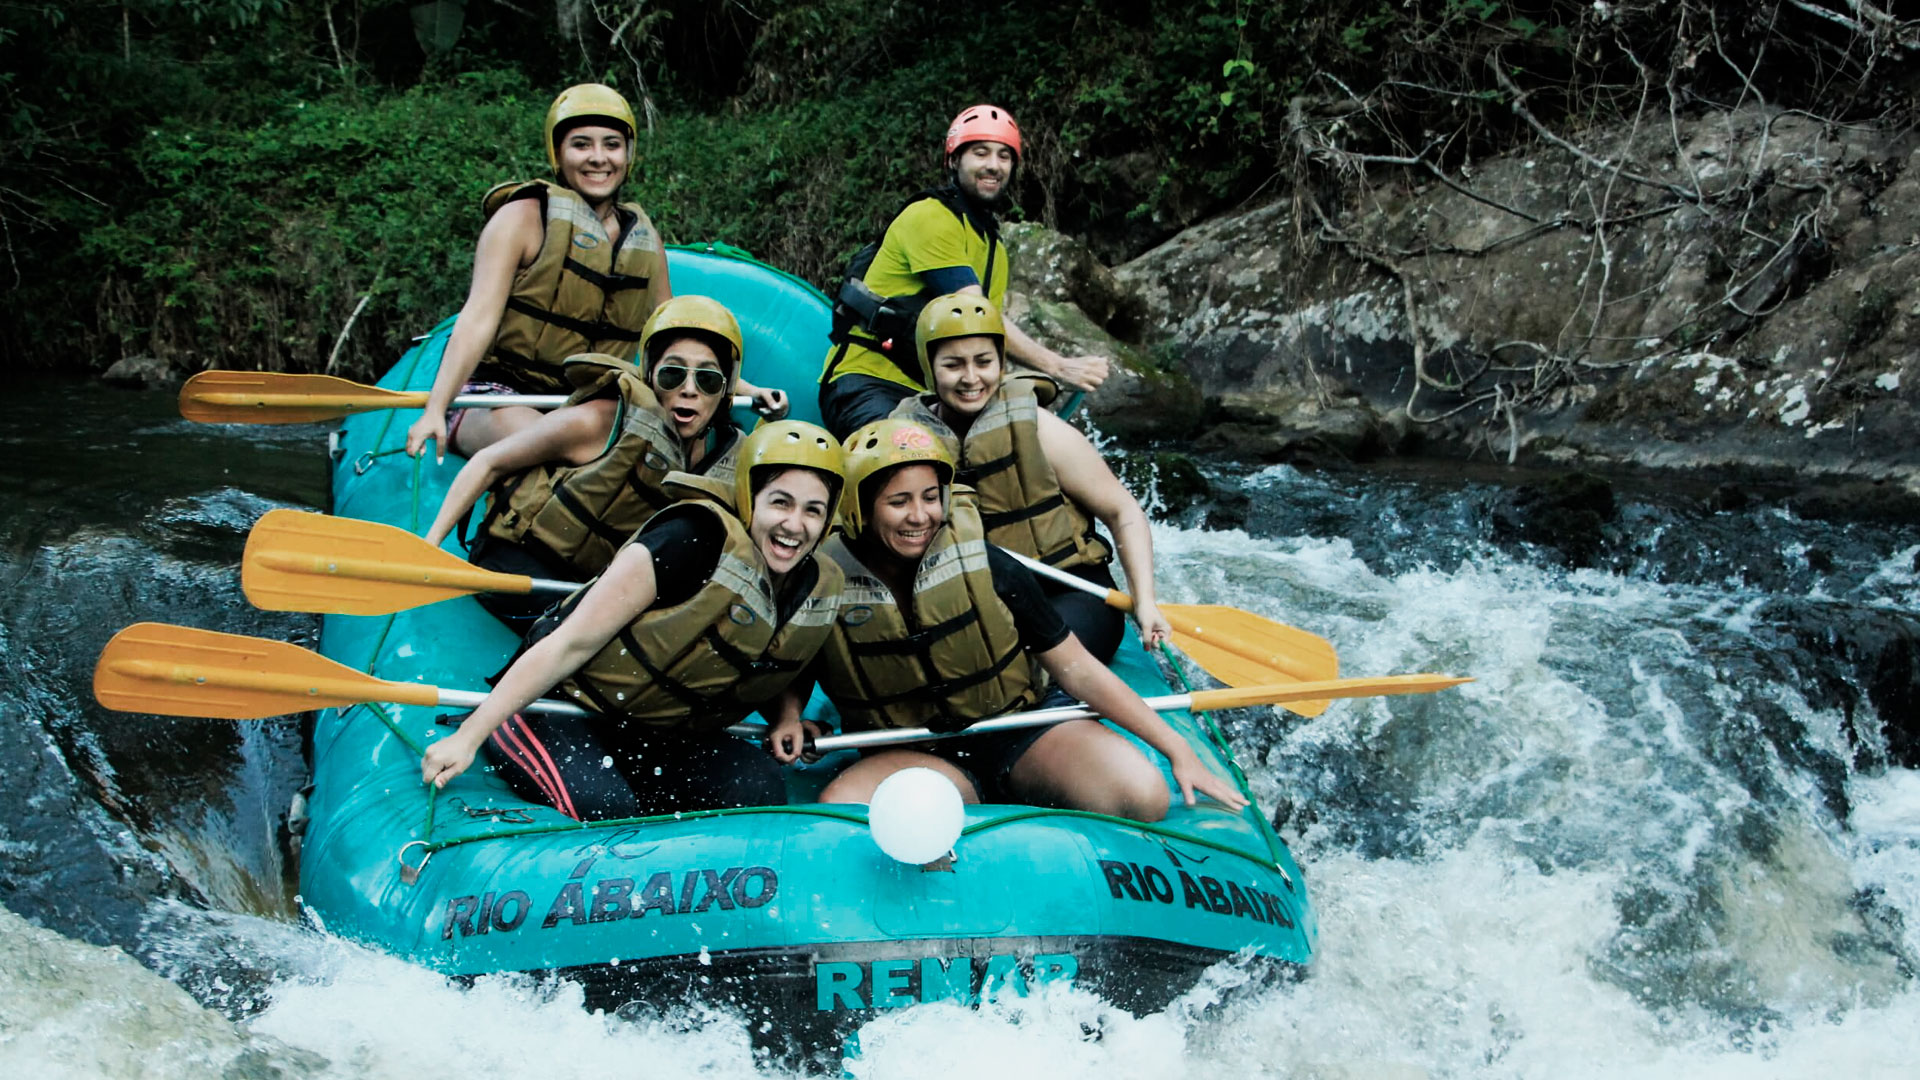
point(1062, 296)
point(1568, 514)
point(1754, 303)
point(142, 373)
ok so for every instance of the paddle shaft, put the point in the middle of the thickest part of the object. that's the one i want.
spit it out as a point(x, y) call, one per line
point(405, 399)
point(270, 397)
point(1118, 599)
point(1113, 597)
point(1198, 701)
point(181, 671)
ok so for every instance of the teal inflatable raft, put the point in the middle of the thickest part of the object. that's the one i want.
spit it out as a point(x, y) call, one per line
point(791, 913)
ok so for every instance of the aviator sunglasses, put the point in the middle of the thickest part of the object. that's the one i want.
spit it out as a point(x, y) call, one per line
point(709, 381)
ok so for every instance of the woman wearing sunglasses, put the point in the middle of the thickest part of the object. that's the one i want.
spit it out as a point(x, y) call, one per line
point(705, 616)
point(569, 489)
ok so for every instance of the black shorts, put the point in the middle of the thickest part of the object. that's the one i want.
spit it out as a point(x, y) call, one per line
point(596, 768)
point(851, 402)
point(1099, 625)
point(988, 759)
point(517, 610)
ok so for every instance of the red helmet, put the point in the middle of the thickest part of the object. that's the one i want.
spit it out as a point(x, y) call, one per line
point(983, 123)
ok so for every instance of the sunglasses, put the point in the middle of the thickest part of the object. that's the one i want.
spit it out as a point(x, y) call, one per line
point(709, 381)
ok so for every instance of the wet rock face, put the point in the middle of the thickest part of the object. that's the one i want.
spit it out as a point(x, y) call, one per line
point(1752, 303)
point(142, 373)
point(1065, 299)
point(1568, 514)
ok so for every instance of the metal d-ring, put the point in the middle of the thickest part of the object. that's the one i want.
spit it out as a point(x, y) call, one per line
point(411, 874)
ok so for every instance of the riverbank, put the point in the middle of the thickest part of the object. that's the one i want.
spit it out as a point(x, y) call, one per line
point(1742, 314)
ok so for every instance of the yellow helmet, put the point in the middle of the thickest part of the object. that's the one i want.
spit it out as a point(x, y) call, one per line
point(957, 315)
point(880, 446)
point(787, 444)
point(703, 315)
point(583, 102)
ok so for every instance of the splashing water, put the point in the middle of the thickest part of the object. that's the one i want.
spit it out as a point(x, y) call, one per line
point(1664, 834)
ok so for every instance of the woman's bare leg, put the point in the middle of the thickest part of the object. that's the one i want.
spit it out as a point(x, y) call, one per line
point(856, 784)
point(481, 428)
point(1083, 765)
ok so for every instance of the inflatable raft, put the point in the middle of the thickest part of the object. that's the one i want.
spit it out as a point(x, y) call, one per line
point(792, 913)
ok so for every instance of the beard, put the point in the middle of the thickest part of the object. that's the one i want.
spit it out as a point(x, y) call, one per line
point(989, 203)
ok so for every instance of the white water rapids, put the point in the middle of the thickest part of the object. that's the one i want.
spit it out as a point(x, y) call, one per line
point(1634, 847)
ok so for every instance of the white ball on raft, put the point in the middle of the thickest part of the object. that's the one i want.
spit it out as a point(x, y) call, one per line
point(916, 815)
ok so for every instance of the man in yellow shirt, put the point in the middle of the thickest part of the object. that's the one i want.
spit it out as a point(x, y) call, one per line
point(947, 240)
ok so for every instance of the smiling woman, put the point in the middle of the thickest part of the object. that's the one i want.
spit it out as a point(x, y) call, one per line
point(1040, 482)
point(706, 614)
point(560, 269)
point(943, 629)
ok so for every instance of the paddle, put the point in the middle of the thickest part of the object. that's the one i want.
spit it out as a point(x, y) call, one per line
point(179, 671)
point(298, 561)
point(273, 397)
point(1237, 647)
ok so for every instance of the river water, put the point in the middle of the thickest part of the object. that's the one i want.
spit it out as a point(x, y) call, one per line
point(1665, 834)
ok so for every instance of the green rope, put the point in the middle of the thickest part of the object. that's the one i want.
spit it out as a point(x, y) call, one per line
point(1173, 661)
point(1274, 847)
point(1206, 718)
point(819, 811)
point(1150, 829)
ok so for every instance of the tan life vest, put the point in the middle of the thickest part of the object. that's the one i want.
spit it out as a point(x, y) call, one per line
point(956, 658)
point(579, 515)
point(713, 659)
point(1021, 503)
point(582, 293)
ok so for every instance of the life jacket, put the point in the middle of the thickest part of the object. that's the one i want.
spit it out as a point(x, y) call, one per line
point(709, 661)
point(579, 515)
point(582, 293)
point(1021, 503)
point(885, 324)
point(956, 657)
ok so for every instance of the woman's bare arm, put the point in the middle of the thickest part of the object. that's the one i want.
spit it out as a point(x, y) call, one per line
point(611, 603)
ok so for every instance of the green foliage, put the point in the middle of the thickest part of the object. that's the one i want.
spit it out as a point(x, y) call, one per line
point(256, 242)
point(220, 181)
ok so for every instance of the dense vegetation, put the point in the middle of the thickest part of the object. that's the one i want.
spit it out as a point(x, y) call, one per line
point(224, 182)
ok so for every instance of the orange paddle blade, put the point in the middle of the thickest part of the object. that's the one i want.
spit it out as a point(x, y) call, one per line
point(1243, 649)
point(180, 671)
point(272, 397)
point(298, 561)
